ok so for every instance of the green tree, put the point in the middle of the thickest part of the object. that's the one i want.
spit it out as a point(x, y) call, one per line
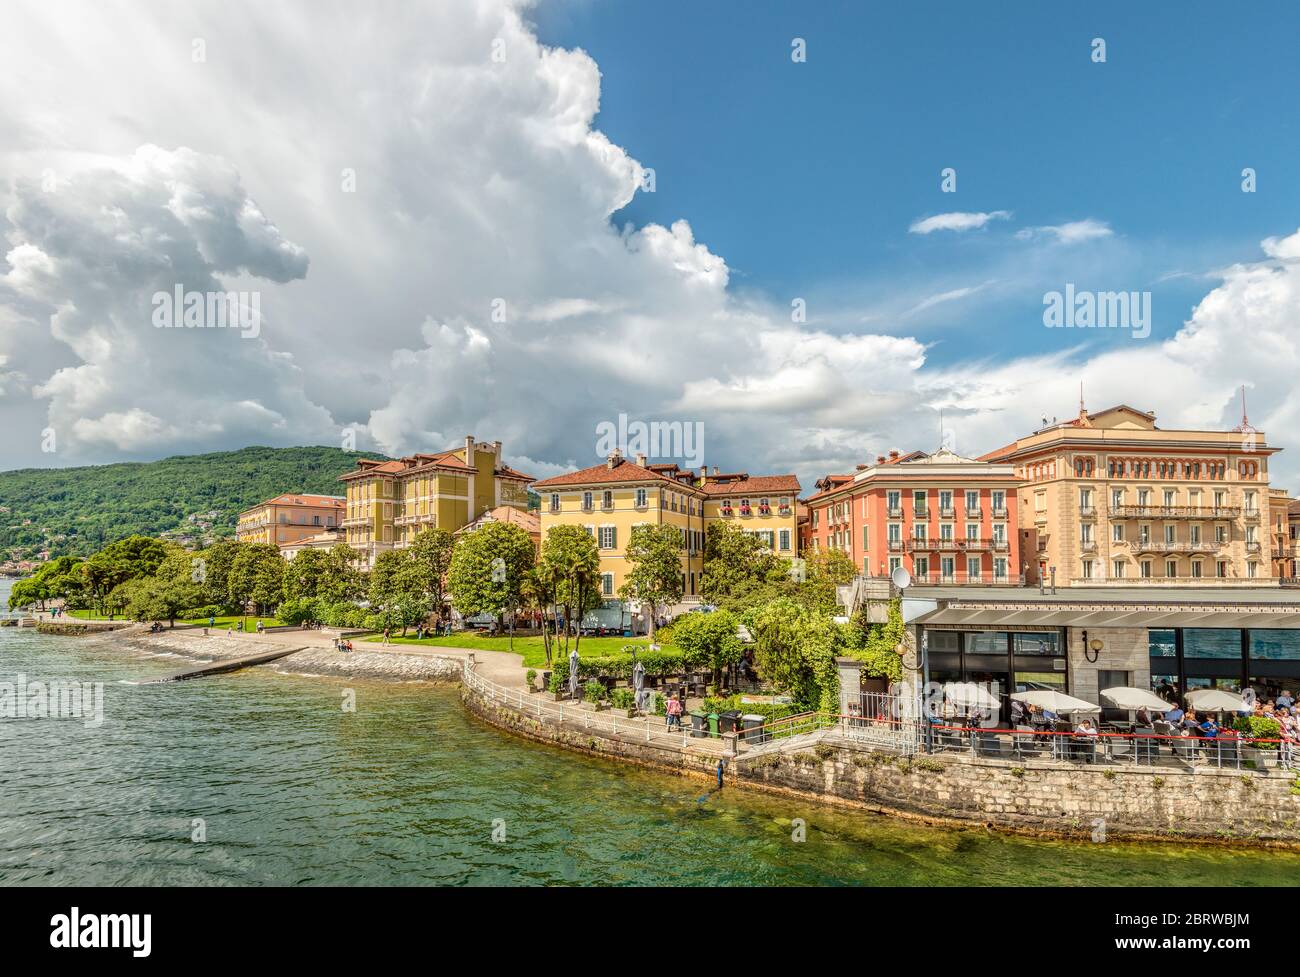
point(173, 588)
point(127, 559)
point(304, 575)
point(654, 568)
point(568, 572)
point(709, 640)
point(57, 579)
point(214, 574)
point(343, 581)
point(256, 577)
point(878, 646)
point(740, 569)
point(825, 570)
point(431, 557)
point(488, 570)
point(795, 649)
point(399, 590)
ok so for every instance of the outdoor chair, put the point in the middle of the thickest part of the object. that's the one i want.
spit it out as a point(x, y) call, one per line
point(1120, 748)
point(1147, 749)
point(992, 745)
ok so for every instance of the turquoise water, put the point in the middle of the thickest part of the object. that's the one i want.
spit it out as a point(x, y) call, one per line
point(294, 790)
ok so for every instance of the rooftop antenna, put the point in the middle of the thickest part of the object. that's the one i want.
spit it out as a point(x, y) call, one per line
point(1244, 427)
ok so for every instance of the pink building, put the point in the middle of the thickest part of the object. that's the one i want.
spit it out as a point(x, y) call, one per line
point(947, 519)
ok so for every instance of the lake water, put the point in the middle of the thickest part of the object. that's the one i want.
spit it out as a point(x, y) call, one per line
point(292, 789)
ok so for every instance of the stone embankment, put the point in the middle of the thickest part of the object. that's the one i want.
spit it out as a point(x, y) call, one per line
point(1044, 799)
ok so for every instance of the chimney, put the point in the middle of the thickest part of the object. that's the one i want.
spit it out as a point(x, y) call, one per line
point(496, 446)
point(614, 460)
point(715, 469)
point(892, 454)
point(880, 459)
point(861, 467)
point(640, 460)
point(469, 450)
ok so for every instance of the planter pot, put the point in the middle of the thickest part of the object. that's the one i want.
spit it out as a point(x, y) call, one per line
point(629, 713)
point(594, 706)
point(560, 696)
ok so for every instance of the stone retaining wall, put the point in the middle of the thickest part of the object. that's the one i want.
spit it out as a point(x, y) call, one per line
point(1041, 799)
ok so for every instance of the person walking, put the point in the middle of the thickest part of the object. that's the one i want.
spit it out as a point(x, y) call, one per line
point(385, 635)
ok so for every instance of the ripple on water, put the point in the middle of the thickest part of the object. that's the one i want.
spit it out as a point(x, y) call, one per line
point(294, 790)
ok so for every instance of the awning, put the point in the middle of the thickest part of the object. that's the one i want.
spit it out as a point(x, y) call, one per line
point(999, 619)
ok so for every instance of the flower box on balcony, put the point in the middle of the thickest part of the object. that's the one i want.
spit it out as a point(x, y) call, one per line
point(745, 510)
point(727, 510)
point(765, 509)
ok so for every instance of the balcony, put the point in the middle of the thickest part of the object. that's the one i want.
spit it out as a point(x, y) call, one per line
point(897, 546)
point(1087, 512)
point(1087, 546)
point(1000, 545)
point(937, 578)
point(728, 510)
point(553, 509)
point(947, 544)
point(947, 512)
point(358, 521)
point(746, 510)
point(921, 545)
point(894, 512)
point(999, 512)
point(1253, 547)
point(1252, 515)
point(973, 512)
point(1174, 512)
point(976, 545)
point(1177, 546)
point(921, 512)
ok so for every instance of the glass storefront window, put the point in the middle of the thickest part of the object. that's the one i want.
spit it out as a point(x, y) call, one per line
point(1275, 645)
point(1219, 643)
point(1037, 643)
point(1226, 684)
point(1162, 643)
point(1166, 686)
point(986, 643)
point(942, 640)
point(1268, 688)
point(1032, 681)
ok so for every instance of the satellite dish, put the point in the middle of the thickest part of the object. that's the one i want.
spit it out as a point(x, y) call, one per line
point(901, 578)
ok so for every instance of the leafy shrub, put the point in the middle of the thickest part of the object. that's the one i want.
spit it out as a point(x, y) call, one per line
point(1258, 727)
point(559, 682)
point(593, 691)
point(768, 710)
point(530, 677)
point(657, 663)
point(623, 698)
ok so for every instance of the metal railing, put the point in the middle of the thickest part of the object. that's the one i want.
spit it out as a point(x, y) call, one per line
point(1138, 749)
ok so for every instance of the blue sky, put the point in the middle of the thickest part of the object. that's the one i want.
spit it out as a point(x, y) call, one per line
point(489, 267)
point(806, 177)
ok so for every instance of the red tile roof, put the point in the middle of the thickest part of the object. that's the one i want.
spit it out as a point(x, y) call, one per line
point(753, 485)
point(602, 474)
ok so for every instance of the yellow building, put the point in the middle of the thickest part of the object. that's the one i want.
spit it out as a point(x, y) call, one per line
point(389, 502)
point(608, 500)
point(289, 518)
point(1109, 498)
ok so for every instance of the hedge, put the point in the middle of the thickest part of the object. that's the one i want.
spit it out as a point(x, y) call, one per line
point(657, 663)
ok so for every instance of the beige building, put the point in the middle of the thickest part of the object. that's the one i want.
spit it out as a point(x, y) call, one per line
point(389, 502)
point(609, 499)
point(289, 518)
point(525, 519)
point(1110, 498)
point(323, 541)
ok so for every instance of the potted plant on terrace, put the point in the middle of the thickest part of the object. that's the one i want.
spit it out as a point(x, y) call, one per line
point(530, 679)
point(593, 695)
point(623, 702)
point(559, 686)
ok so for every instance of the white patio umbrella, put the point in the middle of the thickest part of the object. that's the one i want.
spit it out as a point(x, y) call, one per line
point(970, 695)
point(1126, 697)
point(1215, 700)
point(1057, 702)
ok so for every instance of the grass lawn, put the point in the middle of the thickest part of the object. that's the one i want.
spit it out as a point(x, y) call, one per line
point(530, 647)
point(228, 621)
point(232, 621)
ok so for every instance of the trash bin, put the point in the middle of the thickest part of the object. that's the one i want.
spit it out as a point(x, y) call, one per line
point(713, 724)
point(729, 721)
point(752, 724)
point(699, 724)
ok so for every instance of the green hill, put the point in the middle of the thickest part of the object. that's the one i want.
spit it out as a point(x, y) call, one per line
point(79, 510)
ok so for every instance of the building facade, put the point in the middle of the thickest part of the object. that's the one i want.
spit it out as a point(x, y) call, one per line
point(389, 502)
point(945, 518)
point(289, 518)
point(608, 500)
point(1111, 499)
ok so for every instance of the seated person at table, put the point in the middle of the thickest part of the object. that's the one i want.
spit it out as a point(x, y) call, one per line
point(1086, 727)
point(1209, 729)
point(1284, 701)
point(1174, 715)
point(1143, 717)
point(1190, 722)
point(1017, 712)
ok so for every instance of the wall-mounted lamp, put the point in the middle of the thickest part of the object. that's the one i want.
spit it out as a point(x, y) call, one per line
point(1094, 646)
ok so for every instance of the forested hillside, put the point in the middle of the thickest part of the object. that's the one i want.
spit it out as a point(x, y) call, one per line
point(188, 497)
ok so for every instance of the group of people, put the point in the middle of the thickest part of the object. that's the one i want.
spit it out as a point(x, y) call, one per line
point(342, 645)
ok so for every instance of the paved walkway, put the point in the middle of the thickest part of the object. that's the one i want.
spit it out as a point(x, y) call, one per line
point(501, 667)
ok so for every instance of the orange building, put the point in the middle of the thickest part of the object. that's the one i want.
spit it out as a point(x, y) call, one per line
point(290, 518)
point(947, 519)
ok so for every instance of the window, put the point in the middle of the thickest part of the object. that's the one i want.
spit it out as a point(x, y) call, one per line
point(1171, 497)
point(1116, 497)
point(1195, 532)
point(945, 532)
point(972, 531)
point(922, 567)
point(919, 531)
point(972, 501)
point(972, 568)
point(1275, 645)
point(918, 502)
point(866, 536)
point(1171, 534)
point(555, 502)
point(894, 500)
point(1117, 568)
point(1087, 569)
point(1000, 568)
point(895, 532)
point(1117, 532)
point(1085, 499)
point(1196, 568)
point(1171, 568)
point(641, 499)
point(945, 500)
point(999, 532)
point(608, 537)
point(1146, 568)
point(894, 563)
point(1085, 532)
point(607, 499)
point(785, 538)
point(607, 584)
point(1216, 643)
point(586, 500)
point(1046, 643)
point(986, 643)
point(999, 501)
